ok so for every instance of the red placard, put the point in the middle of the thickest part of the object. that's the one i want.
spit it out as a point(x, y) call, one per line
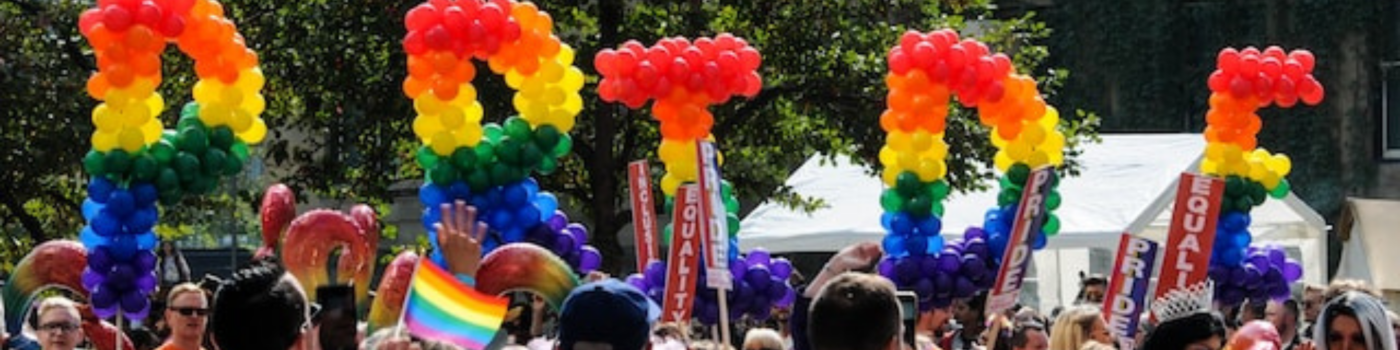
point(1016, 260)
point(643, 219)
point(1127, 293)
point(684, 266)
point(1192, 232)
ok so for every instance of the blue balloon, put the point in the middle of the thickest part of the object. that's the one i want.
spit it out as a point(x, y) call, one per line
point(142, 221)
point(993, 215)
point(997, 242)
point(1038, 240)
point(123, 248)
point(459, 190)
point(894, 246)
point(930, 226)
point(733, 250)
point(146, 241)
point(145, 195)
point(527, 216)
point(432, 215)
point(1242, 238)
point(100, 189)
point(516, 196)
point(935, 244)
point(885, 220)
point(546, 202)
point(480, 201)
point(1235, 221)
point(500, 219)
point(916, 245)
point(902, 225)
point(1231, 257)
point(106, 224)
point(514, 234)
point(91, 239)
point(495, 196)
point(531, 186)
point(121, 203)
point(91, 208)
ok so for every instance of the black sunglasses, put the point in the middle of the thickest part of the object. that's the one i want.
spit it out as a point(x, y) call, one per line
point(191, 311)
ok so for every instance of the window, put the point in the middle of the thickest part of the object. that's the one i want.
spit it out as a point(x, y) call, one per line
point(1390, 110)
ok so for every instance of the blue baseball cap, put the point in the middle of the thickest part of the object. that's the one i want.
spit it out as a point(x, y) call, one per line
point(607, 311)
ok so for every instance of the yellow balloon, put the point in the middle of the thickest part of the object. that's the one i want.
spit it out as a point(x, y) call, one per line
point(514, 79)
point(1033, 134)
point(466, 95)
point(891, 175)
point(938, 150)
point(573, 79)
point(1231, 154)
point(471, 135)
point(908, 160)
point(474, 112)
point(930, 171)
point(206, 91)
point(1051, 119)
point(1281, 164)
point(563, 120)
point(1002, 161)
point(1018, 150)
point(1037, 159)
point(104, 141)
point(565, 56)
point(551, 71)
point(1057, 157)
point(900, 141)
point(240, 120)
point(888, 157)
point(254, 104)
point(136, 115)
point(921, 140)
point(1257, 170)
point(669, 184)
point(255, 133)
point(452, 118)
point(443, 143)
point(1209, 167)
point(152, 131)
point(1271, 180)
point(231, 96)
point(156, 104)
point(997, 140)
point(141, 88)
point(554, 95)
point(214, 114)
point(251, 80)
point(428, 104)
point(425, 126)
point(685, 171)
point(118, 96)
point(104, 118)
point(131, 140)
point(573, 103)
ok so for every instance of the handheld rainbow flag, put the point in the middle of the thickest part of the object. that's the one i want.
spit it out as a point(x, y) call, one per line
point(441, 308)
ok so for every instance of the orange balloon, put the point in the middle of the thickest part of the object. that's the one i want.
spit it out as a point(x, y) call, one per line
point(464, 72)
point(899, 100)
point(895, 81)
point(419, 67)
point(443, 62)
point(1010, 130)
point(97, 86)
point(100, 37)
point(444, 88)
point(139, 38)
point(145, 64)
point(412, 87)
point(120, 75)
point(664, 111)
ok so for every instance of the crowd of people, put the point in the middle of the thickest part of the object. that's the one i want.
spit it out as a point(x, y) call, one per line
point(842, 307)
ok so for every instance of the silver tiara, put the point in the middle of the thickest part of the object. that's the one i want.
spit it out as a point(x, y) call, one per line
point(1180, 303)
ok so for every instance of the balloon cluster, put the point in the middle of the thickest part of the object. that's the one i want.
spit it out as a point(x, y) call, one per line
point(515, 213)
point(957, 270)
point(490, 165)
point(135, 162)
point(1265, 274)
point(684, 78)
point(760, 284)
point(1244, 81)
point(926, 71)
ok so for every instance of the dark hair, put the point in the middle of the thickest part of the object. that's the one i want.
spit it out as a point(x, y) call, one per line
point(1178, 333)
point(258, 309)
point(855, 311)
point(1021, 334)
point(1292, 307)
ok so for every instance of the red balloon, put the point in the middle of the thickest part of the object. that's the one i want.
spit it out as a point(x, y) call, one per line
point(680, 69)
point(1310, 91)
point(492, 17)
point(607, 89)
point(421, 17)
point(1263, 87)
point(707, 48)
point(626, 63)
point(606, 62)
point(413, 43)
point(662, 88)
point(986, 69)
point(1218, 82)
point(1228, 60)
point(1305, 58)
point(1272, 67)
point(88, 19)
point(457, 22)
point(1250, 51)
point(437, 38)
point(909, 39)
point(726, 41)
point(1249, 65)
point(957, 58)
point(1003, 64)
point(994, 92)
point(647, 75)
point(753, 84)
point(924, 54)
point(659, 58)
point(149, 14)
point(750, 59)
point(117, 18)
point(172, 26)
point(728, 63)
point(940, 72)
point(1293, 70)
point(1239, 87)
point(898, 62)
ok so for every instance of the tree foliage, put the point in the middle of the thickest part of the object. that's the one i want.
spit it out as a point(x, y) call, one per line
point(341, 125)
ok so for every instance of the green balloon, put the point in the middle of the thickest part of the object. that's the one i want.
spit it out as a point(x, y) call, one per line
point(547, 136)
point(731, 204)
point(565, 144)
point(733, 221)
point(187, 165)
point(1234, 186)
point(509, 151)
point(939, 189)
point(668, 204)
point(1018, 173)
point(194, 140)
point(1006, 182)
point(920, 206)
point(190, 110)
point(171, 196)
point(144, 168)
point(530, 155)
point(1008, 197)
point(891, 201)
point(118, 162)
point(479, 180)
point(726, 188)
point(1052, 225)
point(192, 122)
point(221, 137)
point(500, 174)
point(426, 158)
point(206, 185)
point(443, 174)
point(517, 128)
point(548, 166)
point(938, 209)
point(171, 136)
point(907, 183)
point(163, 151)
point(1244, 203)
point(232, 166)
point(95, 163)
point(1257, 193)
point(213, 161)
point(168, 180)
point(485, 154)
point(493, 132)
point(1281, 190)
point(666, 235)
point(464, 157)
point(239, 151)
point(1052, 200)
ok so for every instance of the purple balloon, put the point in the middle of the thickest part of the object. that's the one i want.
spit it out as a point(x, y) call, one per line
point(121, 278)
point(789, 297)
point(781, 268)
point(976, 246)
point(949, 263)
point(134, 301)
point(973, 266)
point(1237, 276)
point(928, 265)
point(636, 280)
point(558, 221)
point(564, 243)
point(99, 260)
point(145, 261)
point(580, 236)
point(743, 290)
point(708, 314)
point(974, 233)
point(738, 267)
point(1292, 271)
point(92, 279)
point(963, 288)
point(906, 271)
point(1252, 275)
point(577, 227)
point(1259, 260)
point(655, 273)
point(146, 283)
point(775, 289)
point(924, 287)
point(1277, 256)
point(590, 259)
point(758, 257)
point(887, 268)
point(758, 277)
point(943, 282)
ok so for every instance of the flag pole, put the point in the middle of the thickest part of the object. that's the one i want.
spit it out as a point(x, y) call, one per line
point(119, 330)
point(403, 308)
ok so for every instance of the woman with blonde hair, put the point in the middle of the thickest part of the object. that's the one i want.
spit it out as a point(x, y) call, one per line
point(1078, 325)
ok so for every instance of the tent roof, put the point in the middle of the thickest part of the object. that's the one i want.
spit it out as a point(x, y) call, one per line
point(1126, 184)
point(1372, 224)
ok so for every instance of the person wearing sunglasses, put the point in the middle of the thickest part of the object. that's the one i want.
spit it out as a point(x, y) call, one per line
point(186, 314)
point(59, 326)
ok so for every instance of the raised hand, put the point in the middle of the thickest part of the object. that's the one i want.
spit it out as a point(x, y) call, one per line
point(460, 236)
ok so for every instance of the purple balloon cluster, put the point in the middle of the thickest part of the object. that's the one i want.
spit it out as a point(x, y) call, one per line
point(568, 241)
point(760, 284)
point(1265, 274)
point(958, 271)
point(121, 266)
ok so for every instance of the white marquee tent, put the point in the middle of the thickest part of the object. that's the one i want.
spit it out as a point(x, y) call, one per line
point(1127, 184)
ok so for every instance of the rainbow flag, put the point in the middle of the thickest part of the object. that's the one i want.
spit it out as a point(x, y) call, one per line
point(439, 307)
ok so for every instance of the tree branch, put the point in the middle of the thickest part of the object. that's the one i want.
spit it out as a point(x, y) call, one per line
point(28, 221)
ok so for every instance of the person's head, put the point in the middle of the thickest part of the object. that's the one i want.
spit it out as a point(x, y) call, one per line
point(261, 307)
point(60, 325)
point(670, 330)
point(933, 320)
point(1284, 315)
point(186, 312)
point(1354, 321)
point(1252, 310)
point(1077, 325)
point(1094, 345)
point(168, 248)
point(1339, 287)
point(1312, 302)
point(1201, 330)
point(968, 313)
point(1092, 289)
point(1029, 336)
point(607, 314)
point(763, 339)
point(855, 311)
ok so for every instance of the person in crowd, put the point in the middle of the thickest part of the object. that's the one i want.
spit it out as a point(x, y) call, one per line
point(1353, 320)
point(1095, 345)
point(763, 339)
point(1029, 336)
point(1255, 335)
point(15, 341)
point(932, 323)
point(1312, 306)
point(1394, 325)
point(171, 266)
point(1199, 330)
point(261, 308)
point(1077, 325)
point(855, 311)
point(1251, 310)
point(59, 326)
point(1092, 289)
point(607, 314)
point(972, 322)
point(669, 333)
point(857, 257)
point(186, 313)
point(1341, 286)
point(1284, 316)
point(385, 339)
